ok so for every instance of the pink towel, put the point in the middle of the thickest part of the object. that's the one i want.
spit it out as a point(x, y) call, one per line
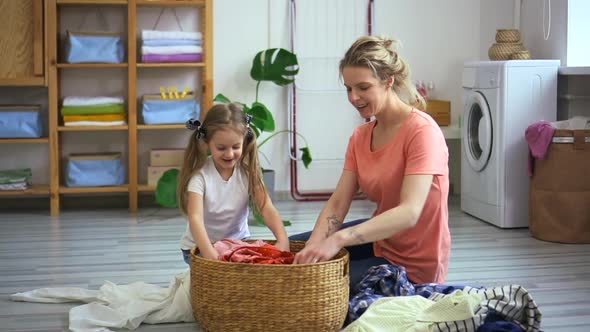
point(538, 136)
point(187, 57)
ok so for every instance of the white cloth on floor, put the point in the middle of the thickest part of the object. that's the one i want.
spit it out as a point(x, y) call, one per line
point(120, 306)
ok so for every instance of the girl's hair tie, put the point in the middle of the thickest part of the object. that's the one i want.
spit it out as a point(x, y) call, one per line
point(194, 124)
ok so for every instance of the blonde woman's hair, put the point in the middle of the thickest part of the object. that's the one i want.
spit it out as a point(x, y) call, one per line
point(222, 116)
point(379, 54)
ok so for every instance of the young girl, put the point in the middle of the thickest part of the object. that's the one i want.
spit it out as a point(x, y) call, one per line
point(214, 190)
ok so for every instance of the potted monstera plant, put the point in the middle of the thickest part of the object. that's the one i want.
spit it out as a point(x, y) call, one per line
point(279, 66)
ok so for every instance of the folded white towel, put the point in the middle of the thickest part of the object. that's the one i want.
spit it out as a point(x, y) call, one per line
point(157, 34)
point(166, 50)
point(94, 123)
point(91, 101)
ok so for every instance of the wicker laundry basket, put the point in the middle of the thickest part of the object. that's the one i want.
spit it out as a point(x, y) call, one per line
point(254, 297)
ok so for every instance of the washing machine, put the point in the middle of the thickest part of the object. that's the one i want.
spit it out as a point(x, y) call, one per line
point(500, 100)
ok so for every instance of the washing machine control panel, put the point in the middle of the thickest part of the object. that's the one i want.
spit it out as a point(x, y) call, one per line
point(480, 78)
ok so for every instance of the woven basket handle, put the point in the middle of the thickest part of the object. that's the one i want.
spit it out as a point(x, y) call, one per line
point(346, 266)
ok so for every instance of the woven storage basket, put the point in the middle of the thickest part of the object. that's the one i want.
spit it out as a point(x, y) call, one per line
point(521, 55)
point(503, 51)
point(255, 297)
point(507, 36)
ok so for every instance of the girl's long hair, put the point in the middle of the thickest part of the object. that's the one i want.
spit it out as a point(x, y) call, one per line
point(222, 116)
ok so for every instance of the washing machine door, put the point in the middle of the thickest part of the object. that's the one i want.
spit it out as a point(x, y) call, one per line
point(477, 130)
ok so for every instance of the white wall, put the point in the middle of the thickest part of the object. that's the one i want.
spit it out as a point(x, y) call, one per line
point(437, 37)
point(578, 30)
point(555, 46)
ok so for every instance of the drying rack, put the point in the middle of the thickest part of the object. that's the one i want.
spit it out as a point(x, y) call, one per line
point(357, 24)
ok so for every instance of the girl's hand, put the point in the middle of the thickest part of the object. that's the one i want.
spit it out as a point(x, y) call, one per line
point(283, 245)
point(210, 253)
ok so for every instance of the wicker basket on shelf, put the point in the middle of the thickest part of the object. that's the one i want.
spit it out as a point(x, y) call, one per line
point(255, 297)
point(504, 51)
point(507, 36)
point(521, 55)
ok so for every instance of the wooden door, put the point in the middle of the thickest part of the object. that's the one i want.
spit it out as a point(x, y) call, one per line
point(21, 43)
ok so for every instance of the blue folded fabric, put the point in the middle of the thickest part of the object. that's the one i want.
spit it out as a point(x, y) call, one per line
point(94, 172)
point(168, 111)
point(20, 124)
point(100, 48)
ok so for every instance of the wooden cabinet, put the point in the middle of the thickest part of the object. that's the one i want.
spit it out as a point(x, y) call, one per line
point(440, 111)
point(125, 77)
point(22, 39)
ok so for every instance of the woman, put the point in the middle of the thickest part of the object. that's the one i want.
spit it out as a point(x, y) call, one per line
point(400, 161)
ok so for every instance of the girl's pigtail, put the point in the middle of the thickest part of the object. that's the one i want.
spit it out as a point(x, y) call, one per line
point(251, 165)
point(195, 156)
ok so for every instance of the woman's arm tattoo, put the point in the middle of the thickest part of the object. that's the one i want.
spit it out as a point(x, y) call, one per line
point(333, 224)
point(357, 235)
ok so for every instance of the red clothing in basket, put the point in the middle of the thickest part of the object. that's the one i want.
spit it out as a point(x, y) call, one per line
point(258, 252)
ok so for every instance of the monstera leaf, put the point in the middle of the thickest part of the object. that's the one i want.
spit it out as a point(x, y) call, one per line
point(276, 65)
point(262, 119)
point(279, 66)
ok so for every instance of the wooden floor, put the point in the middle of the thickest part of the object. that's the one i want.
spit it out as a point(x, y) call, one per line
point(85, 248)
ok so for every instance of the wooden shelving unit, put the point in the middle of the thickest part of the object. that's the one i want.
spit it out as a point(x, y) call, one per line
point(146, 188)
point(56, 188)
point(24, 140)
point(92, 2)
point(87, 190)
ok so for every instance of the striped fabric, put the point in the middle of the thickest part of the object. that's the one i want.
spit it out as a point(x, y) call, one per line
point(386, 301)
point(512, 302)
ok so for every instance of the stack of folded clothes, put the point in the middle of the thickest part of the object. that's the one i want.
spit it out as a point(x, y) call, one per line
point(93, 111)
point(15, 179)
point(171, 46)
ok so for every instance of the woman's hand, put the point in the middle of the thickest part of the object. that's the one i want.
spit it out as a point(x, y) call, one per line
point(283, 244)
point(318, 251)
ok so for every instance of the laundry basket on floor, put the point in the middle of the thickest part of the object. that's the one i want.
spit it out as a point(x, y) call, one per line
point(255, 297)
point(559, 201)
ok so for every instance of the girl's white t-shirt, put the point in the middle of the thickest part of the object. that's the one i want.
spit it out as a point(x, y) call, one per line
point(225, 204)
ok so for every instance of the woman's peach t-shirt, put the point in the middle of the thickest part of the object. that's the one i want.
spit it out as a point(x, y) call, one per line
point(418, 147)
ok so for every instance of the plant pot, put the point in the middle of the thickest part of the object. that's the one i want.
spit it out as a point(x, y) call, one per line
point(268, 177)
